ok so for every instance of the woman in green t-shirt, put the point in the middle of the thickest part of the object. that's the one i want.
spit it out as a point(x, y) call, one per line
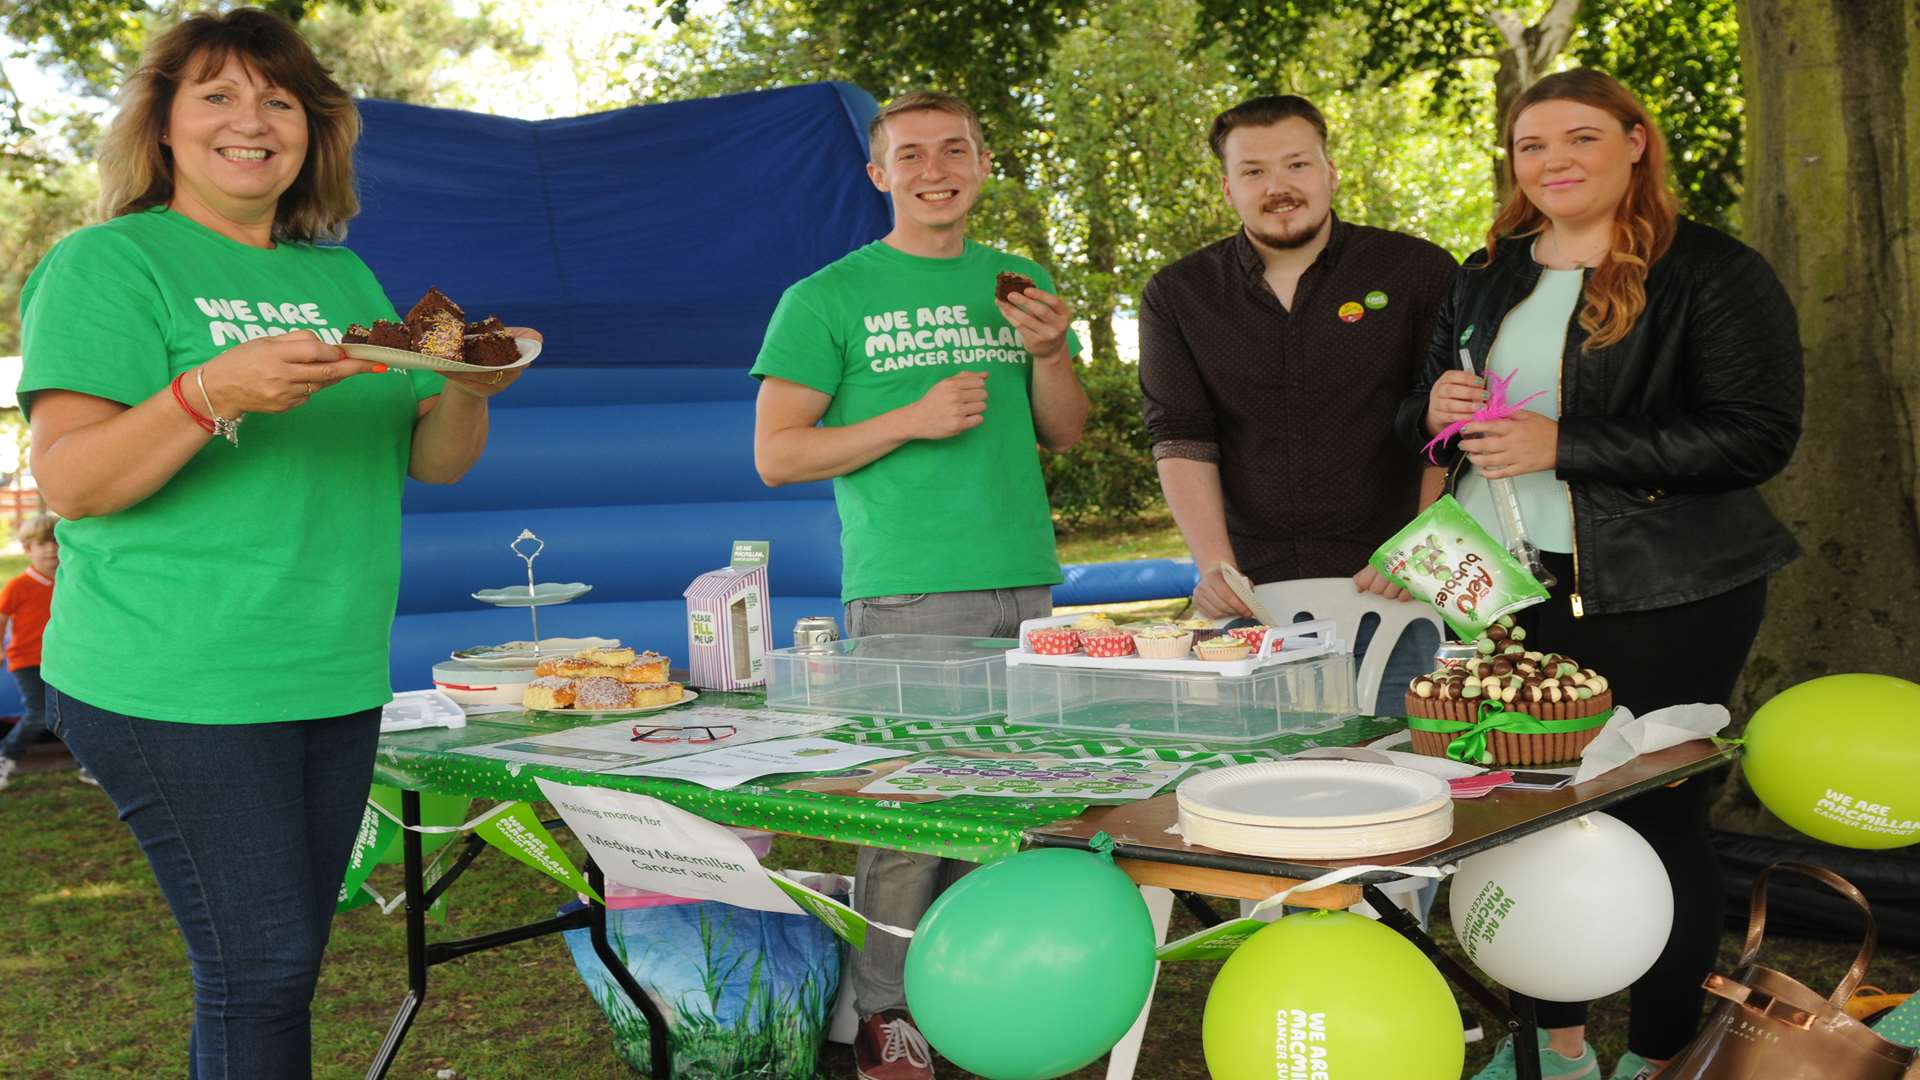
point(217, 653)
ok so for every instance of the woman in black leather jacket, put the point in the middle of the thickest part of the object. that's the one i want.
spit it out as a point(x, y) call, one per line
point(1669, 360)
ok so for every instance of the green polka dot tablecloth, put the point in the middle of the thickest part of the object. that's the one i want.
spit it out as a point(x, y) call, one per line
point(974, 828)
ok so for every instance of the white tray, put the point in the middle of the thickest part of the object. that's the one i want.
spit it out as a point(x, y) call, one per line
point(519, 654)
point(1319, 631)
point(406, 360)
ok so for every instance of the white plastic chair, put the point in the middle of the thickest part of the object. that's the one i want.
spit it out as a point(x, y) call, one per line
point(1335, 598)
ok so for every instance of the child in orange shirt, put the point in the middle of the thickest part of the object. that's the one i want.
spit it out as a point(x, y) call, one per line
point(25, 603)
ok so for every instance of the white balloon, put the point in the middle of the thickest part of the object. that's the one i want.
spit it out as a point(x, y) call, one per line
point(1570, 913)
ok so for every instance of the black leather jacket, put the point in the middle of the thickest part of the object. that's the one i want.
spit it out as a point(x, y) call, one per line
point(1665, 434)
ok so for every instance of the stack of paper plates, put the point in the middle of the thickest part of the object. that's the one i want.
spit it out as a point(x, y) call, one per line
point(1315, 809)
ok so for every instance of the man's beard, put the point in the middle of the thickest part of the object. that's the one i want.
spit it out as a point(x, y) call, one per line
point(1289, 241)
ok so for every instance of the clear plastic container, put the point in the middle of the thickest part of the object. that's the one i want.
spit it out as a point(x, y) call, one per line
point(1300, 697)
point(912, 676)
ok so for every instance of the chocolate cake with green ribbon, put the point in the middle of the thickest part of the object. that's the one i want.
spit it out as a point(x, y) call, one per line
point(1511, 705)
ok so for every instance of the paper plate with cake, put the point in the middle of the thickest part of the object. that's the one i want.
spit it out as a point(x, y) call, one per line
point(604, 681)
point(436, 336)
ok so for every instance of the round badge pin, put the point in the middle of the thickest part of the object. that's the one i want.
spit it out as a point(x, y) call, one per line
point(1351, 312)
point(1376, 299)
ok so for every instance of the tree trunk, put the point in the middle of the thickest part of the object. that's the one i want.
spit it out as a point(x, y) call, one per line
point(1833, 202)
point(1102, 262)
point(1530, 51)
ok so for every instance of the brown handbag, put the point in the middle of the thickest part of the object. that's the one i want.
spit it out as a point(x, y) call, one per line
point(1767, 1026)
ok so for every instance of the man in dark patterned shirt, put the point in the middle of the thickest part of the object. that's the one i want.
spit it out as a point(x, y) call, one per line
point(1272, 362)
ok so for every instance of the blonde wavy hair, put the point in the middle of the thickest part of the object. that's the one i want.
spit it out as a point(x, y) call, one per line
point(1644, 223)
point(136, 168)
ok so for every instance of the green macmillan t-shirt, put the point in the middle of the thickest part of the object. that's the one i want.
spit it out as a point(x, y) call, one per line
point(259, 583)
point(876, 330)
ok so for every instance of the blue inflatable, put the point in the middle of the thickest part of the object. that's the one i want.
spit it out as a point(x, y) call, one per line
point(649, 246)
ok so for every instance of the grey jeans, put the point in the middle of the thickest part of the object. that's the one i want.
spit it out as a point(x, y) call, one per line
point(895, 887)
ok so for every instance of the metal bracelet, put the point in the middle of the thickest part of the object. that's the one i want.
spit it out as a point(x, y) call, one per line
point(222, 427)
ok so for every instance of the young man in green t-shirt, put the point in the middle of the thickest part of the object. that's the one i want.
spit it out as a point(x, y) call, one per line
point(898, 373)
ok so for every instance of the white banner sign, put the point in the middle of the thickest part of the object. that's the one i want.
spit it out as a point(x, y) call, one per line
point(648, 844)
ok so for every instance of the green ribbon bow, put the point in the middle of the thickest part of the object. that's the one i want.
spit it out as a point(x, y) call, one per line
point(1470, 744)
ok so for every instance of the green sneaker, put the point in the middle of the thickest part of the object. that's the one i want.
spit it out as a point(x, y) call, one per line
point(1633, 1067)
point(1552, 1065)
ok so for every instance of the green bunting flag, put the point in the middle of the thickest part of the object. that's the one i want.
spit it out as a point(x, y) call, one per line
point(518, 832)
point(840, 918)
point(1213, 943)
point(376, 834)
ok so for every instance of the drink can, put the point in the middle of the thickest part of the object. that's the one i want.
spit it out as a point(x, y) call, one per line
point(816, 630)
point(1452, 654)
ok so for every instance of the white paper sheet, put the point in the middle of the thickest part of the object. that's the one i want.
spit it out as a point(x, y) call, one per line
point(647, 844)
point(735, 765)
point(606, 747)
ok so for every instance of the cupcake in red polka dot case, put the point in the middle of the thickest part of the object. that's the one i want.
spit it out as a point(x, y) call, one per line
point(1107, 643)
point(1054, 640)
point(1254, 636)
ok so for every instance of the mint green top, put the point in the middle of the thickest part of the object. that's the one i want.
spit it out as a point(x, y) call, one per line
point(876, 330)
point(1529, 346)
point(259, 583)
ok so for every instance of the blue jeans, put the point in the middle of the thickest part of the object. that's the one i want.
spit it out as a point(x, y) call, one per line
point(247, 828)
point(33, 714)
point(897, 887)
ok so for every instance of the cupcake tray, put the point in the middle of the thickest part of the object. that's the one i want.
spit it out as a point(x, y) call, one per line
point(1318, 632)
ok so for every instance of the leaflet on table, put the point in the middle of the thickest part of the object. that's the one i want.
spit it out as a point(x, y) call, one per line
point(606, 747)
point(1028, 777)
point(735, 765)
point(648, 844)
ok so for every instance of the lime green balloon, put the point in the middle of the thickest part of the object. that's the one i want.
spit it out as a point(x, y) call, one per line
point(1838, 758)
point(1033, 966)
point(1331, 994)
point(435, 809)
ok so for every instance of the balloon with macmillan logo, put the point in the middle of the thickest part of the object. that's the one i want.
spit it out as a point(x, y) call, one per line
point(1570, 913)
point(1331, 994)
point(1033, 966)
point(1838, 758)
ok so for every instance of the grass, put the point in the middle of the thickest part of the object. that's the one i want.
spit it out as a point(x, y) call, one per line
point(98, 983)
point(1152, 536)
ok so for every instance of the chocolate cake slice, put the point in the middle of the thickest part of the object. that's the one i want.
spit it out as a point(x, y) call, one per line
point(489, 325)
point(432, 304)
point(355, 335)
point(491, 350)
point(387, 334)
point(1006, 284)
point(438, 335)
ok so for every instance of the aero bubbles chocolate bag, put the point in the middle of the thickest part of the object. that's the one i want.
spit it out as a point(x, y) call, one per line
point(1446, 559)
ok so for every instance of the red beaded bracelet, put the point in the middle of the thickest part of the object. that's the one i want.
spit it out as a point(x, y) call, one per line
point(180, 396)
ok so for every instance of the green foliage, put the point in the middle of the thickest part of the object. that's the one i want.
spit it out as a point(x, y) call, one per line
point(1682, 58)
point(32, 218)
point(1110, 475)
point(400, 49)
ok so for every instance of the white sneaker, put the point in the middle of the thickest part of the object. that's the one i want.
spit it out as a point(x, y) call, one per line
point(87, 777)
point(6, 770)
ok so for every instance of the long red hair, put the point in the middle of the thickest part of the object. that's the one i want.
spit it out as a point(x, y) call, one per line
point(1643, 224)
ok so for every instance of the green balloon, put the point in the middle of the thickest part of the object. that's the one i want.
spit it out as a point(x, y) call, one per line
point(1331, 994)
point(435, 809)
point(1837, 758)
point(1033, 966)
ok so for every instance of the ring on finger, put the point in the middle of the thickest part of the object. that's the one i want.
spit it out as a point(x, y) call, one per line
point(497, 376)
point(309, 388)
